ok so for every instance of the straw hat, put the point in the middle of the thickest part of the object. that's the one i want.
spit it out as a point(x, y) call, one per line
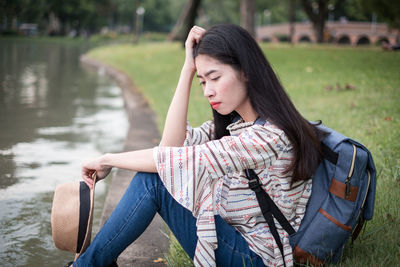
point(72, 215)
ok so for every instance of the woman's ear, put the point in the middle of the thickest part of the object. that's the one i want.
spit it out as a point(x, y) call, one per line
point(243, 76)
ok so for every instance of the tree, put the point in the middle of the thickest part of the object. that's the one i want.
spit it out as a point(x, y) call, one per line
point(247, 12)
point(317, 12)
point(158, 16)
point(387, 10)
point(214, 12)
point(351, 10)
point(278, 11)
point(71, 13)
point(186, 20)
point(10, 13)
point(292, 18)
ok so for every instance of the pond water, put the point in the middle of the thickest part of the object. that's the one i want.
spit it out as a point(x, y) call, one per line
point(53, 115)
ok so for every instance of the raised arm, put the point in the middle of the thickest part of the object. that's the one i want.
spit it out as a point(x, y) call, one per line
point(175, 124)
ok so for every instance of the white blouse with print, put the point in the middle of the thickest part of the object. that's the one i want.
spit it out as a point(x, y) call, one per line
point(207, 177)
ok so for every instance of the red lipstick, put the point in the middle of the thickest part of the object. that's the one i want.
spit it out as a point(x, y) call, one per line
point(215, 105)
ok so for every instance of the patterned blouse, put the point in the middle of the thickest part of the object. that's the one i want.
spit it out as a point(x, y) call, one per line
point(206, 176)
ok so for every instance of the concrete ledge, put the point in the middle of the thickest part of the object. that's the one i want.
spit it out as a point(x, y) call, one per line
point(142, 133)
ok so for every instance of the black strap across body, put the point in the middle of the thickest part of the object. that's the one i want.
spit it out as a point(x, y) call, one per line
point(269, 210)
point(267, 205)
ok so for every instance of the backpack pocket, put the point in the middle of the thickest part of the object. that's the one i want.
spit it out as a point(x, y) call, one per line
point(328, 232)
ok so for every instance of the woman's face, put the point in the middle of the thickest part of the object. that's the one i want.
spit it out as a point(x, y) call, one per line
point(223, 86)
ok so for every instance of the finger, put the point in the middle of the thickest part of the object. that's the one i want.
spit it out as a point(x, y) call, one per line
point(195, 32)
point(198, 30)
point(198, 33)
point(89, 182)
point(87, 177)
point(198, 38)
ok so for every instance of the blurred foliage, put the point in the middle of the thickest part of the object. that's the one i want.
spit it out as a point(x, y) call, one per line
point(279, 12)
point(387, 10)
point(90, 16)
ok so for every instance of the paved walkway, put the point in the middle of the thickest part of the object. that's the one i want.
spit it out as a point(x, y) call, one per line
point(142, 133)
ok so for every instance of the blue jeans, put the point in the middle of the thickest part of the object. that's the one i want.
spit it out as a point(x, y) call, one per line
point(145, 196)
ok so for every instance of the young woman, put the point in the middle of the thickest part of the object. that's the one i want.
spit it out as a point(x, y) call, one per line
point(195, 178)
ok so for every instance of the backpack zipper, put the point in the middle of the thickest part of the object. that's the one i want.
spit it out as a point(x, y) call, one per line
point(365, 196)
point(347, 182)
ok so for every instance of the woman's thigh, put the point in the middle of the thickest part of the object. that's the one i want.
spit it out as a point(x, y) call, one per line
point(233, 249)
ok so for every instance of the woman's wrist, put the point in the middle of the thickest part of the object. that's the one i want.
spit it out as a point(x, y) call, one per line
point(189, 67)
point(106, 160)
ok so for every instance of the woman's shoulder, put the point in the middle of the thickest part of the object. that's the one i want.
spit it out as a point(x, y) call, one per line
point(268, 132)
point(262, 127)
point(270, 126)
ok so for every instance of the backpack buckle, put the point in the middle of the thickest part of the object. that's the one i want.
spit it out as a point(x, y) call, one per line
point(254, 185)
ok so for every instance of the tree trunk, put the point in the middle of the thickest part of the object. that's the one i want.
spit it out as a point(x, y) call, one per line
point(135, 24)
point(247, 11)
point(187, 17)
point(191, 18)
point(178, 25)
point(319, 29)
point(63, 26)
point(292, 19)
point(317, 13)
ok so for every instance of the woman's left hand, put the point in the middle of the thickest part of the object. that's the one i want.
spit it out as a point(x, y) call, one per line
point(194, 37)
point(94, 165)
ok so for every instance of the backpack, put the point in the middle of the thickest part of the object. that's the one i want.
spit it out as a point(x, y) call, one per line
point(342, 199)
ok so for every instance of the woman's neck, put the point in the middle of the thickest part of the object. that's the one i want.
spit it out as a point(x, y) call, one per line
point(247, 113)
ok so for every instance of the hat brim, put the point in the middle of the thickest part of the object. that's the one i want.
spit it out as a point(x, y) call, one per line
point(72, 217)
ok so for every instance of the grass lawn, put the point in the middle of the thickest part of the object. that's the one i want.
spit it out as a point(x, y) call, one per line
point(315, 78)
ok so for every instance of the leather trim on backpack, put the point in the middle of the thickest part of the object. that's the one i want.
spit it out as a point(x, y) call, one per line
point(339, 189)
point(329, 217)
point(300, 256)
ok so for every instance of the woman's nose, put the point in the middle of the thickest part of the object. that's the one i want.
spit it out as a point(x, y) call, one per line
point(208, 90)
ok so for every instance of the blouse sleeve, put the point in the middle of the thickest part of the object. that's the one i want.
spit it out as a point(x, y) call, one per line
point(199, 135)
point(185, 170)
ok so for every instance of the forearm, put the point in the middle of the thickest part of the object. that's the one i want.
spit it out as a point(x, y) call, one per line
point(175, 124)
point(139, 160)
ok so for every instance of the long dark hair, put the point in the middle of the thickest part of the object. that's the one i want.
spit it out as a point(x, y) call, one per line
point(231, 44)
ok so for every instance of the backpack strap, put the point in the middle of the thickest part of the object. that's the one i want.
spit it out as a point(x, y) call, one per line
point(269, 210)
point(329, 154)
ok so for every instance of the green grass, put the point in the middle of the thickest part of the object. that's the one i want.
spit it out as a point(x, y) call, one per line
point(369, 113)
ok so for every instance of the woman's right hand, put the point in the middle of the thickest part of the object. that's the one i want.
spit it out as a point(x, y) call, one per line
point(94, 165)
point(194, 37)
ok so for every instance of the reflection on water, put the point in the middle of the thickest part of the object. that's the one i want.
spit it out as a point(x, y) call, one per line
point(53, 115)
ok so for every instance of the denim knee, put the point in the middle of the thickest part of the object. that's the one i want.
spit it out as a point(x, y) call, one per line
point(148, 180)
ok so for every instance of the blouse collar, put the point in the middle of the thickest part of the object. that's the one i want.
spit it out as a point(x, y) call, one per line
point(238, 126)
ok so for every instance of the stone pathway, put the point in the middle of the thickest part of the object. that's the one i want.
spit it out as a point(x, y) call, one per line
point(142, 133)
